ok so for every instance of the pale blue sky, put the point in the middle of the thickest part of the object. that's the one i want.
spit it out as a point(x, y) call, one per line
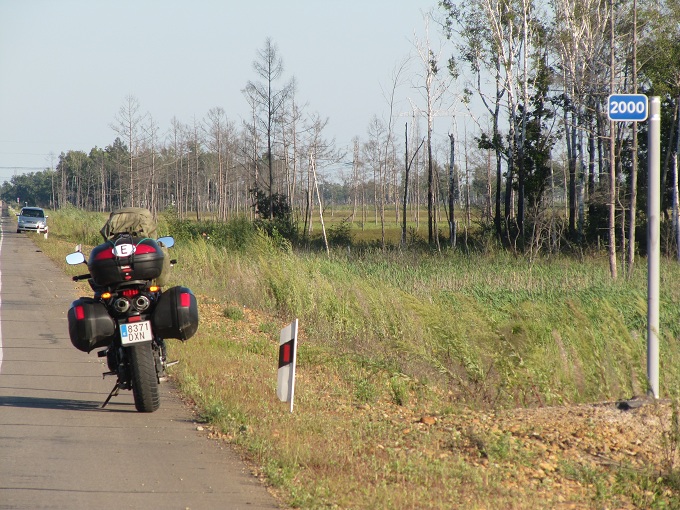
point(66, 66)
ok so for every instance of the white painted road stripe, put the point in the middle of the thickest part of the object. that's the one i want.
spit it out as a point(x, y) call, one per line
point(1, 238)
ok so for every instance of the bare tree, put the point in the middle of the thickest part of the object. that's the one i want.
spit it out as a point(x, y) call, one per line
point(219, 131)
point(612, 151)
point(267, 101)
point(148, 185)
point(408, 161)
point(320, 153)
point(467, 25)
point(432, 87)
point(179, 154)
point(127, 125)
point(387, 157)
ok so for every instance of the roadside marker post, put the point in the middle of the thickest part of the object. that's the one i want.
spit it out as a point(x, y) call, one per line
point(285, 387)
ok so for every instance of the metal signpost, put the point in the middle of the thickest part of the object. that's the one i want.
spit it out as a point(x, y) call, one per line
point(636, 108)
point(654, 245)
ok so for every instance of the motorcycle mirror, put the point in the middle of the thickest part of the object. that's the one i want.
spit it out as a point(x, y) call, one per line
point(167, 241)
point(75, 258)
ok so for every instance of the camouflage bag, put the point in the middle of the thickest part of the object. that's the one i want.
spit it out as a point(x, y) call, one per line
point(138, 222)
point(135, 221)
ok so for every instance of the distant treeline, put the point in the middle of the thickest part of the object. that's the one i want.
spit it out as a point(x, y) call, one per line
point(542, 169)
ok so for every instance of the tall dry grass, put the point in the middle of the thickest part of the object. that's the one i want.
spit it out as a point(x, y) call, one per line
point(422, 333)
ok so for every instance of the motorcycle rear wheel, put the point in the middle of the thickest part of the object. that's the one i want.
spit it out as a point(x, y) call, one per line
point(144, 380)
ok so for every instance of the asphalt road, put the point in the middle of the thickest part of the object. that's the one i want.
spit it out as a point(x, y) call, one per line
point(58, 448)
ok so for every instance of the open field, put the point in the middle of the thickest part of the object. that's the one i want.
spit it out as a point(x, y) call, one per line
point(427, 380)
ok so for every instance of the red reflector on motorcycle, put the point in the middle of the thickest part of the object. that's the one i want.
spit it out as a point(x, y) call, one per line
point(104, 255)
point(135, 318)
point(142, 248)
point(185, 300)
point(80, 313)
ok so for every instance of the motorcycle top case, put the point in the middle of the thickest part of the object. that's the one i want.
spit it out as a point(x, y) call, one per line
point(176, 314)
point(89, 325)
point(126, 258)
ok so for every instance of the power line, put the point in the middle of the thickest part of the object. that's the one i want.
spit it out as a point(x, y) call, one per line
point(23, 168)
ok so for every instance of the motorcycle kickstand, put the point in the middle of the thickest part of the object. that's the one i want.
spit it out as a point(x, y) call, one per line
point(114, 393)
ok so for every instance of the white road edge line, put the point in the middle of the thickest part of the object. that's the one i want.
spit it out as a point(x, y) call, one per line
point(1, 239)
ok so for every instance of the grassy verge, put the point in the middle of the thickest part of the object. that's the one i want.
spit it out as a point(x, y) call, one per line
point(407, 367)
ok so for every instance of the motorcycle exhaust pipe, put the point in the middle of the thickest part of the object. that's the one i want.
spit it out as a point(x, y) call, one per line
point(141, 303)
point(121, 305)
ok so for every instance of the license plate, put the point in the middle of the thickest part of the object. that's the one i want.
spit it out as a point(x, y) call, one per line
point(135, 332)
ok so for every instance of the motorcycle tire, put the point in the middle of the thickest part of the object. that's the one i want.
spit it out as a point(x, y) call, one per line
point(144, 380)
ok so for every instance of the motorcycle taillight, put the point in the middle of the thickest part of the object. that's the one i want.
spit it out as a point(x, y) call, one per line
point(105, 254)
point(128, 293)
point(143, 248)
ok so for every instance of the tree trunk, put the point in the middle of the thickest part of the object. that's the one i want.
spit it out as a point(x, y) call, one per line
point(406, 171)
point(634, 170)
point(452, 218)
point(612, 162)
point(312, 165)
point(676, 168)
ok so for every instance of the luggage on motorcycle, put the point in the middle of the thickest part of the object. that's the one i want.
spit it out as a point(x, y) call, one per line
point(135, 221)
point(176, 314)
point(89, 325)
point(126, 258)
point(139, 223)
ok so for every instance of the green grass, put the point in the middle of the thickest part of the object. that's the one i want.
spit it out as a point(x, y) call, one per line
point(509, 332)
point(414, 332)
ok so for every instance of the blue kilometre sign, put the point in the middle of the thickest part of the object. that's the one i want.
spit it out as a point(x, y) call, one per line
point(627, 107)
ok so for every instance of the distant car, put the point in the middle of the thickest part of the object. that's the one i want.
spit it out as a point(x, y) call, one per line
point(32, 219)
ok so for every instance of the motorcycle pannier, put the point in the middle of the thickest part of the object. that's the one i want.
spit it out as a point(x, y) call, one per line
point(89, 325)
point(176, 314)
point(143, 262)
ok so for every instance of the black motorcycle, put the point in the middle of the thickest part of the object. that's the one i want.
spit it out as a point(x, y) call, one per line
point(130, 316)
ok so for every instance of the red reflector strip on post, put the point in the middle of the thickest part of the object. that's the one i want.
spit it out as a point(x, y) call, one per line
point(80, 313)
point(285, 378)
point(185, 300)
point(286, 353)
